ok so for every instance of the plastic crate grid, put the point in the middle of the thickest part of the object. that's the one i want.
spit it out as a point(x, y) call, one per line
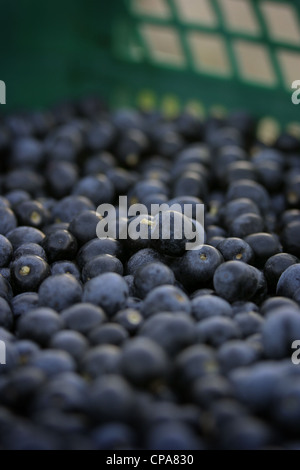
point(250, 42)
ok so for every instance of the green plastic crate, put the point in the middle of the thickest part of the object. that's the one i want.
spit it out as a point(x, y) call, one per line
point(204, 55)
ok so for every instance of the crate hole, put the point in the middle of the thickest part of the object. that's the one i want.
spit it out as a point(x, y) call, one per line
point(254, 62)
point(196, 108)
point(268, 130)
point(146, 100)
point(239, 16)
point(170, 106)
point(157, 8)
point(293, 128)
point(290, 65)
point(163, 43)
point(281, 20)
point(196, 11)
point(209, 53)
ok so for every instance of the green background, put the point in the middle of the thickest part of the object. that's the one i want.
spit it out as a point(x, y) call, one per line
point(64, 49)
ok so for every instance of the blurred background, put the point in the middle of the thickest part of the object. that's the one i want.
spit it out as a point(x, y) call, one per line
point(201, 55)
